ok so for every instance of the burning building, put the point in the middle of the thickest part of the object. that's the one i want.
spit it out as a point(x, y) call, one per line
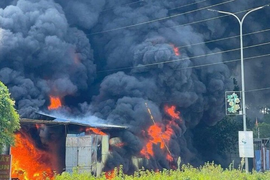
point(61, 144)
point(104, 59)
point(44, 148)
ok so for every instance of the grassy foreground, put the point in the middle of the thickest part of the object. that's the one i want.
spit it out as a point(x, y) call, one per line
point(209, 171)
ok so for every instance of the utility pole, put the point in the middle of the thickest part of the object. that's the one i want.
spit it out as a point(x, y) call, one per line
point(242, 63)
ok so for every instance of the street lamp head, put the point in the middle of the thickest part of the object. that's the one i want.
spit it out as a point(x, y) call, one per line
point(213, 10)
point(222, 12)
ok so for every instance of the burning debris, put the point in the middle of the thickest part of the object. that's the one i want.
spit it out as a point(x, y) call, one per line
point(95, 131)
point(101, 60)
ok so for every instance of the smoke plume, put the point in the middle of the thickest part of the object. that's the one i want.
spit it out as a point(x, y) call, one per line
point(108, 58)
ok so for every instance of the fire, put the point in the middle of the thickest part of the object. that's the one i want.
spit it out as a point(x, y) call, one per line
point(157, 136)
point(176, 50)
point(160, 135)
point(55, 103)
point(147, 151)
point(110, 174)
point(120, 144)
point(171, 112)
point(38, 126)
point(95, 130)
point(28, 162)
point(115, 141)
point(169, 157)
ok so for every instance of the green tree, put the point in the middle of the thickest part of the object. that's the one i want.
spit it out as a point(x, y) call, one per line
point(9, 118)
point(263, 127)
point(218, 139)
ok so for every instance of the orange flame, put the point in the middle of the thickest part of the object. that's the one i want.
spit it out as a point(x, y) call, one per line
point(157, 136)
point(169, 157)
point(160, 135)
point(28, 162)
point(116, 142)
point(171, 112)
point(95, 130)
point(38, 126)
point(176, 50)
point(147, 151)
point(120, 144)
point(55, 103)
point(110, 174)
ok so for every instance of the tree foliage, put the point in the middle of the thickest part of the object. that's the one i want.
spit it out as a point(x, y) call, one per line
point(264, 127)
point(221, 138)
point(9, 118)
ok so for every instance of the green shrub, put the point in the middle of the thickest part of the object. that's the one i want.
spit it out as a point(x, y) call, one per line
point(209, 171)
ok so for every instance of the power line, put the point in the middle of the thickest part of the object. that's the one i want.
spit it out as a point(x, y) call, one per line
point(222, 39)
point(259, 89)
point(210, 41)
point(230, 61)
point(182, 59)
point(160, 19)
point(216, 40)
point(251, 90)
point(204, 20)
point(223, 62)
point(209, 19)
point(122, 5)
point(178, 7)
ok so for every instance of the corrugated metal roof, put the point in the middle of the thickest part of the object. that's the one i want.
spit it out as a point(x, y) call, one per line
point(67, 121)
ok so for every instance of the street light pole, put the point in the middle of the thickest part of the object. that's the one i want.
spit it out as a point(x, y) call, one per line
point(242, 63)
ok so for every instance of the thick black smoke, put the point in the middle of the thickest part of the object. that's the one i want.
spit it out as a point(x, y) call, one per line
point(102, 59)
point(42, 54)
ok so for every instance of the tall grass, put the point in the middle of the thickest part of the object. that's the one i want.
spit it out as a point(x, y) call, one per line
point(209, 171)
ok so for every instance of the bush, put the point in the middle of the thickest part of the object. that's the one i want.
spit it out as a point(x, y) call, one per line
point(209, 171)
